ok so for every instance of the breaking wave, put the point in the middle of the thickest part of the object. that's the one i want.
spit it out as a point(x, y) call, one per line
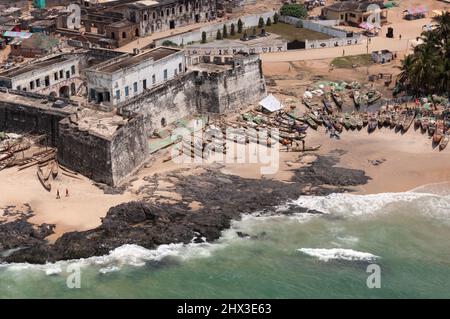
point(349, 205)
point(129, 255)
point(345, 205)
point(338, 254)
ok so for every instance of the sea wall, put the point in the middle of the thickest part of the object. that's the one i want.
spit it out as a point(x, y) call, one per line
point(106, 160)
point(129, 149)
point(85, 153)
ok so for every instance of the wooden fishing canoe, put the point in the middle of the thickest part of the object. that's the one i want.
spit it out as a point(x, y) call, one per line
point(45, 184)
point(54, 169)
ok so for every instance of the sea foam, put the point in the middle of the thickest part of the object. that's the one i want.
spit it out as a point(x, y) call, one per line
point(338, 254)
point(348, 205)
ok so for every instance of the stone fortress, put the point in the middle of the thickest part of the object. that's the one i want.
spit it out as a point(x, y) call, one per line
point(99, 107)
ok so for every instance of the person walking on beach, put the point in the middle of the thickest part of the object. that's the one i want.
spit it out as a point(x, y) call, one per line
point(343, 52)
point(57, 194)
point(67, 192)
point(400, 36)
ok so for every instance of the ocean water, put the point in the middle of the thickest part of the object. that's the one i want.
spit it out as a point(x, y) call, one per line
point(406, 235)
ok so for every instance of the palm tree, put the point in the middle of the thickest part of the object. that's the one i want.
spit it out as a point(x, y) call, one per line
point(443, 25)
point(427, 69)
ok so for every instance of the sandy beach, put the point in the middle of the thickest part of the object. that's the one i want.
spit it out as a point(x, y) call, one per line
point(408, 160)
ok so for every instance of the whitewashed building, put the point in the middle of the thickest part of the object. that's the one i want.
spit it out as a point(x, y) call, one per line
point(121, 79)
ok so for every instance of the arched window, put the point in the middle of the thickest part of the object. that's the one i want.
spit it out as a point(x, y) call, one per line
point(168, 12)
point(145, 17)
point(113, 35)
point(154, 15)
point(124, 35)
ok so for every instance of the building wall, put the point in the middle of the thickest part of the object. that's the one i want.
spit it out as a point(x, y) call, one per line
point(117, 82)
point(200, 92)
point(165, 103)
point(129, 149)
point(35, 80)
point(231, 90)
point(16, 117)
point(169, 16)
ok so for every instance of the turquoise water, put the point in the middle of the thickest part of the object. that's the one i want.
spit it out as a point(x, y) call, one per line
point(407, 234)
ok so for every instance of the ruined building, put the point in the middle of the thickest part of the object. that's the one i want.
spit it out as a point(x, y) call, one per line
point(114, 23)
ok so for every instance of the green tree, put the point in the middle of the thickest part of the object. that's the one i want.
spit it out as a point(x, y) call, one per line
point(427, 69)
point(203, 37)
point(261, 23)
point(294, 10)
point(268, 22)
point(219, 35)
point(276, 18)
point(225, 31)
point(232, 29)
point(240, 26)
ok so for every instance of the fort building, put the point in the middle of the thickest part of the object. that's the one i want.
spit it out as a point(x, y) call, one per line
point(118, 80)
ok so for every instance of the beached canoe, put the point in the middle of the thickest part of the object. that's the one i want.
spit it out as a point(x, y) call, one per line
point(444, 141)
point(328, 105)
point(54, 169)
point(7, 161)
point(424, 123)
point(373, 96)
point(411, 114)
point(43, 181)
point(353, 122)
point(373, 123)
point(431, 126)
point(347, 123)
point(359, 122)
point(337, 99)
point(356, 96)
point(438, 133)
point(311, 122)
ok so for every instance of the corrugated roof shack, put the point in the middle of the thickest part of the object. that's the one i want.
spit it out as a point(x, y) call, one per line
point(382, 56)
point(102, 146)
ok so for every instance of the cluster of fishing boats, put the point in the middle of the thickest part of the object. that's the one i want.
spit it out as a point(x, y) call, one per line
point(328, 112)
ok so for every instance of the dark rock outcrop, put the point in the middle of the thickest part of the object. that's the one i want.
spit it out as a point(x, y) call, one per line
point(223, 198)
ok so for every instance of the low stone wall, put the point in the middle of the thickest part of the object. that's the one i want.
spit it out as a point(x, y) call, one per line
point(195, 35)
point(232, 47)
point(322, 26)
point(330, 43)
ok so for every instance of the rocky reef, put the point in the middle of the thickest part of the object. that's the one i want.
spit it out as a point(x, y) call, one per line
point(223, 198)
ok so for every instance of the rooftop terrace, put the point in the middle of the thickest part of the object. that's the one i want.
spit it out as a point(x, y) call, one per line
point(34, 66)
point(127, 62)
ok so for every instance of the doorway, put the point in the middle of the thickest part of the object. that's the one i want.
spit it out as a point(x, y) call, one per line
point(172, 24)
